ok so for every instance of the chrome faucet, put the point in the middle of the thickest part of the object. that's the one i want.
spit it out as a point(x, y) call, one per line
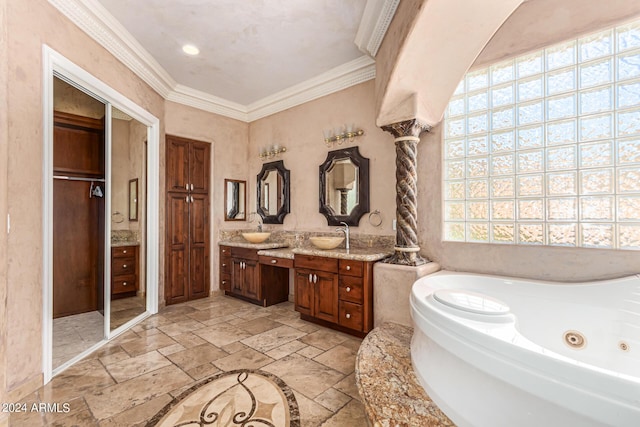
point(345, 230)
point(259, 225)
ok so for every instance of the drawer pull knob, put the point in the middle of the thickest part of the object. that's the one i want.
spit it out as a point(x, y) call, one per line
point(124, 283)
point(348, 316)
point(224, 251)
point(224, 282)
point(124, 266)
point(224, 265)
point(348, 289)
point(124, 252)
point(273, 261)
point(348, 267)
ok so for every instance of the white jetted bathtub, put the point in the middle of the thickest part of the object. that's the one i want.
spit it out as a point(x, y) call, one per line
point(497, 351)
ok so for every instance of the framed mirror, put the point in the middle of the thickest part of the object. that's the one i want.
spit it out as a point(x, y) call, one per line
point(273, 192)
point(235, 200)
point(344, 186)
point(133, 199)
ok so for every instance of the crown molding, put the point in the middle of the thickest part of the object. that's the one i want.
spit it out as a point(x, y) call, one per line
point(375, 22)
point(207, 102)
point(341, 77)
point(99, 24)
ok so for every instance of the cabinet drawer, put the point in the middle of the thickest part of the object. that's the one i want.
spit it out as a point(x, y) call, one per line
point(351, 268)
point(225, 282)
point(350, 315)
point(225, 251)
point(225, 265)
point(350, 289)
point(316, 263)
point(276, 262)
point(245, 253)
point(122, 284)
point(123, 251)
point(121, 266)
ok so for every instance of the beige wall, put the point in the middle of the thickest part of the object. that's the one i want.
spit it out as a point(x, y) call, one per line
point(300, 130)
point(30, 23)
point(3, 202)
point(229, 139)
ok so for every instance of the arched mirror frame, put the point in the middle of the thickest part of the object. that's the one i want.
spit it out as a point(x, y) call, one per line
point(362, 207)
point(278, 218)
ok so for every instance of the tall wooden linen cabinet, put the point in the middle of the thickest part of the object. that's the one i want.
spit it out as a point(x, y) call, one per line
point(187, 220)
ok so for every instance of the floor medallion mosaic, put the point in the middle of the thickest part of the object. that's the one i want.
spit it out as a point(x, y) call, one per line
point(241, 397)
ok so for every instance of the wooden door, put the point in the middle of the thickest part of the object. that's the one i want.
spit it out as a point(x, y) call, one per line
point(325, 301)
point(251, 283)
point(177, 160)
point(177, 268)
point(75, 248)
point(199, 246)
point(78, 220)
point(303, 292)
point(199, 164)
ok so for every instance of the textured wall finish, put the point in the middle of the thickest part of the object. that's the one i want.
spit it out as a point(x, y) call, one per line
point(4, 158)
point(29, 24)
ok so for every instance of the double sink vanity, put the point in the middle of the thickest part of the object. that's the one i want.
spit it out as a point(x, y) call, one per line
point(332, 287)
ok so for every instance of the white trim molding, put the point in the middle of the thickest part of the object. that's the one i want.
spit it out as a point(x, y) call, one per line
point(350, 74)
point(99, 24)
point(375, 22)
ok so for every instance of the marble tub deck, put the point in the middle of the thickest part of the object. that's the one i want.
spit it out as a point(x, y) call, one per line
point(388, 386)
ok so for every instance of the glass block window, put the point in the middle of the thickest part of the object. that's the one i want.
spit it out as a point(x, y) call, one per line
point(544, 149)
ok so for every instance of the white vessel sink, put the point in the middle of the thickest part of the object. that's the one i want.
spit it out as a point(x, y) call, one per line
point(256, 237)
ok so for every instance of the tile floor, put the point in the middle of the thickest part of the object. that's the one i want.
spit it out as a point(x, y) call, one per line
point(74, 334)
point(131, 378)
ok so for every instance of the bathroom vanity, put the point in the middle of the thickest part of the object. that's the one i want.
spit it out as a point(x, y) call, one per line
point(333, 288)
point(124, 270)
point(258, 279)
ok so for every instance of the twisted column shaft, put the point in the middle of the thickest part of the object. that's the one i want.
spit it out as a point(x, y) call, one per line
point(407, 251)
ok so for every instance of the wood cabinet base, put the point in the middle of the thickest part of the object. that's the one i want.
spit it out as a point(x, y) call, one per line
point(333, 326)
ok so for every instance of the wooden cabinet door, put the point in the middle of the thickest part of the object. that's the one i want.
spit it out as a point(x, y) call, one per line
point(177, 268)
point(303, 292)
point(237, 276)
point(251, 284)
point(75, 248)
point(325, 301)
point(199, 164)
point(199, 246)
point(177, 159)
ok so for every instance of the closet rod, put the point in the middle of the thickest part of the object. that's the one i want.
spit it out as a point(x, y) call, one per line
point(73, 178)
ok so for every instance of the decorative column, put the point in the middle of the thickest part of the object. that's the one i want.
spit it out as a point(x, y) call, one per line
point(407, 134)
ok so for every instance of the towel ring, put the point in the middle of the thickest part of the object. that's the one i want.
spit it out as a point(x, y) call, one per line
point(375, 218)
point(117, 217)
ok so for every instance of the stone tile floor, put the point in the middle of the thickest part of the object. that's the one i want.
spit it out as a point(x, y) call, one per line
point(134, 376)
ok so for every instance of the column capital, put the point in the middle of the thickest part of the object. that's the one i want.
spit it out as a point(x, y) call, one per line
point(413, 127)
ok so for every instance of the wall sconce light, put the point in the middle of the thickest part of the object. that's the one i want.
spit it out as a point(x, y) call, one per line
point(271, 152)
point(340, 135)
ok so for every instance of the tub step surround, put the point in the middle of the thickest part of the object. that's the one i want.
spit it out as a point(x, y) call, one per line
point(387, 384)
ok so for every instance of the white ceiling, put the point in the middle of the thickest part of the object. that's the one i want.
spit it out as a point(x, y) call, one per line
point(249, 49)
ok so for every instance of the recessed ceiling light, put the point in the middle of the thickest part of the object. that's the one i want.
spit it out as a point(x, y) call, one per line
point(190, 49)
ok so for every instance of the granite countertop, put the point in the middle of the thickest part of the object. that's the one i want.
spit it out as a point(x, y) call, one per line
point(118, 243)
point(245, 244)
point(356, 254)
point(387, 383)
point(277, 253)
